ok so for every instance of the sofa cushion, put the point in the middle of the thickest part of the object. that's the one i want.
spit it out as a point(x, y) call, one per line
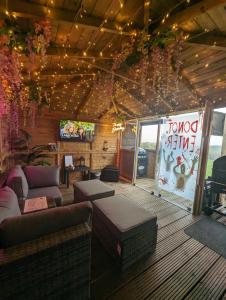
point(17, 181)
point(9, 206)
point(40, 176)
point(16, 230)
point(51, 192)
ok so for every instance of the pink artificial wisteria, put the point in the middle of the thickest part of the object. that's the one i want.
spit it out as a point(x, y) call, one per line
point(15, 103)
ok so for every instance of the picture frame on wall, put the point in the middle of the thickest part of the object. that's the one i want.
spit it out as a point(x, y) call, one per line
point(68, 161)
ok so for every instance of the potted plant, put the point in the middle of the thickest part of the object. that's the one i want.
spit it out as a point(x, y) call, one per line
point(23, 154)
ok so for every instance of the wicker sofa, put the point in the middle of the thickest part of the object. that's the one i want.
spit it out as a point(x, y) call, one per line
point(44, 255)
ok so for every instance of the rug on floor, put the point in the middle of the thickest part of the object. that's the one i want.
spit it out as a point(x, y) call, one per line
point(210, 233)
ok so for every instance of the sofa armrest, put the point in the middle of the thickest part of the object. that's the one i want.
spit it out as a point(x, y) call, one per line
point(20, 229)
point(58, 263)
point(17, 186)
point(23, 250)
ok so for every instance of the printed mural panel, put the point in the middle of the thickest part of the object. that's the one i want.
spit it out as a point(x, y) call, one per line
point(179, 154)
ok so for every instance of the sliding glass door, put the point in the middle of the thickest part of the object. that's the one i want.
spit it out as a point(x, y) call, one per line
point(146, 154)
point(167, 157)
point(178, 158)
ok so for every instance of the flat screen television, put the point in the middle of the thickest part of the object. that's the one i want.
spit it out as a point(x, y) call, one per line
point(76, 131)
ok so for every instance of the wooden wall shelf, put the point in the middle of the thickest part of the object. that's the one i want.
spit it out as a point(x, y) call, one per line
point(68, 152)
point(81, 152)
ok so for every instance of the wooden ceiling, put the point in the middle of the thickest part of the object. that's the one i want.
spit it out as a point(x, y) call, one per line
point(87, 33)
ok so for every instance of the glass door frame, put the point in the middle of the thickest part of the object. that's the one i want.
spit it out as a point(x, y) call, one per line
point(207, 123)
point(139, 123)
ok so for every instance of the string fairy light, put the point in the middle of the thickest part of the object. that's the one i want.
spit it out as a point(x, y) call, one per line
point(108, 45)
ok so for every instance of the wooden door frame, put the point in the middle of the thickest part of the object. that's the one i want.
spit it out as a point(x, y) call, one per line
point(137, 139)
point(200, 182)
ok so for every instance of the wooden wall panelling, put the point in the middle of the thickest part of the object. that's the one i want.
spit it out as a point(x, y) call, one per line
point(46, 131)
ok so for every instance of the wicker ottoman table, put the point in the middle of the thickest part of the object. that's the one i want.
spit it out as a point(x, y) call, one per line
point(90, 190)
point(126, 230)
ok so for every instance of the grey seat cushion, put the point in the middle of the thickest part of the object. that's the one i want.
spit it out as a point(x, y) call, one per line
point(16, 230)
point(9, 206)
point(51, 192)
point(40, 176)
point(17, 181)
point(92, 190)
point(123, 216)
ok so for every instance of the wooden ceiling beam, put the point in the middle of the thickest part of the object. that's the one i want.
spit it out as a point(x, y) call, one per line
point(141, 98)
point(127, 79)
point(121, 107)
point(84, 100)
point(73, 52)
point(190, 12)
point(188, 85)
point(118, 75)
point(60, 85)
point(105, 111)
point(27, 9)
point(209, 40)
point(67, 73)
point(190, 88)
point(131, 93)
point(125, 110)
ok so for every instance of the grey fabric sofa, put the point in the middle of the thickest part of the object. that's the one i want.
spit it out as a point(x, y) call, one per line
point(44, 255)
point(35, 181)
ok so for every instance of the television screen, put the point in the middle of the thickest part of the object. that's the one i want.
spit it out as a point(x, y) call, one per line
point(76, 131)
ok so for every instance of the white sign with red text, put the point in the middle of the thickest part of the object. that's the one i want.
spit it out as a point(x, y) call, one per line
point(179, 154)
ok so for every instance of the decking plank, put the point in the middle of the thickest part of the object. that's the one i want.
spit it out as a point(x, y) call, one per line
point(147, 282)
point(180, 268)
point(178, 285)
point(172, 218)
point(113, 280)
point(167, 212)
point(176, 226)
point(212, 285)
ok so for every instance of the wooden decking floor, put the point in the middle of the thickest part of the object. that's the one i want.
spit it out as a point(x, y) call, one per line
point(150, 185)
point(180, 268)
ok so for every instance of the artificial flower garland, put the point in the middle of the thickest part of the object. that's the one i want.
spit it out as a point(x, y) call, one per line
point(14, 95)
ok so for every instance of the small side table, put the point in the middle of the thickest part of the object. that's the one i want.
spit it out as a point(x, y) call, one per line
point(38, 206)
point(84, 170)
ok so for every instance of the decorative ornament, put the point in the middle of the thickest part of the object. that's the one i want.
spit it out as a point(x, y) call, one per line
point(119, 124)
point(134, 129)
point(105, 146)
point(82, 161)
